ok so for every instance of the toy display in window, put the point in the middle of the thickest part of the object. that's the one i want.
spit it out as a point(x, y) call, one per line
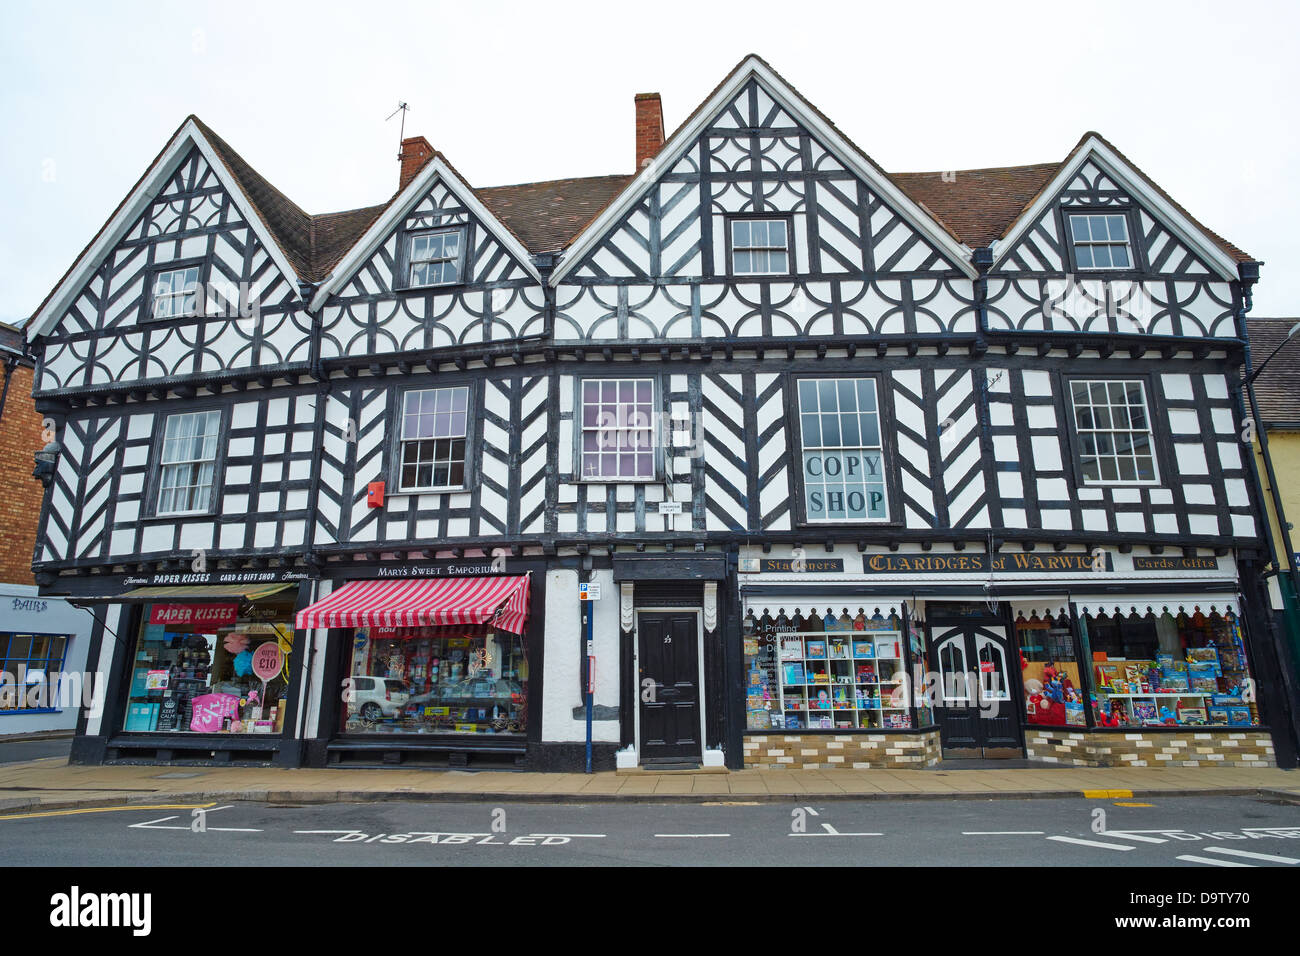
point(436, 680)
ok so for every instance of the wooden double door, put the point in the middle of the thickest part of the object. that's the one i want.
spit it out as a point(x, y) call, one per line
point(979, 696)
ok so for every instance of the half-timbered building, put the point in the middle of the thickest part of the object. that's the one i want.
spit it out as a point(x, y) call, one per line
point(854, 468)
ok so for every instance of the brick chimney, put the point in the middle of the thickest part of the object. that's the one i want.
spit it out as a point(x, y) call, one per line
point(415, 151)
point(649, 127)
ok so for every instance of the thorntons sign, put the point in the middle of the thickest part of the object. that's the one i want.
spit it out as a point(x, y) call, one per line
point(219, 577)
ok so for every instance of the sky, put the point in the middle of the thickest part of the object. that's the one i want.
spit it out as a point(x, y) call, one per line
point(1201, 96)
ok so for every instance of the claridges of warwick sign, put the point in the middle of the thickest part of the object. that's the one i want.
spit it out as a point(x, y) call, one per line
point(1029, 563)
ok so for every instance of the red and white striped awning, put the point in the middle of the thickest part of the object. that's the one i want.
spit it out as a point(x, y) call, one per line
point(422, 602)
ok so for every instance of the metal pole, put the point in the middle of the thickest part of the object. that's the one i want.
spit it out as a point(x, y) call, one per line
point(586, 672)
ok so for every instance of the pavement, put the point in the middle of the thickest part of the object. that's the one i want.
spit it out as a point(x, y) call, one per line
point(51, 783)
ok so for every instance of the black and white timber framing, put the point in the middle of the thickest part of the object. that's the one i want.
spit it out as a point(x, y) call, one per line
point(971, 349)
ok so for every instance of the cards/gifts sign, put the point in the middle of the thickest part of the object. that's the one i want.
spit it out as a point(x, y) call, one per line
point(198, 617)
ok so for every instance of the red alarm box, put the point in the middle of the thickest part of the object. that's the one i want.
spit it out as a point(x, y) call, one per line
point(375, 494)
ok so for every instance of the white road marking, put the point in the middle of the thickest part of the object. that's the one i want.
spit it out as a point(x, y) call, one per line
point(153, 825)
point(1251, 856)
point(593, 836)
point(688, 836)
point(1127, 835)
point(812, 812)
point(831, 831)
point(1001, 832)
point(1211, 861)
point(1108, 846)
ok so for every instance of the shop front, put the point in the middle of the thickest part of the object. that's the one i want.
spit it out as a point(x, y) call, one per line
point(427, 671)
point(199, 673)
point(1141, 680)
point(1056, 657)
point(829, 682)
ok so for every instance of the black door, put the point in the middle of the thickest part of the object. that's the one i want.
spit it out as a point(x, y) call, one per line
point(669, 685)
point(978, 709)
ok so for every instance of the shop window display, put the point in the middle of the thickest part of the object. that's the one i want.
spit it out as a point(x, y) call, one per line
point(417, 680)
point(1050, 669)
point(1179, 667)
point(211, 669)
point(827, 670)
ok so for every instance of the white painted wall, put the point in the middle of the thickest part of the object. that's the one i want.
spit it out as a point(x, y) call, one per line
point(561, 671)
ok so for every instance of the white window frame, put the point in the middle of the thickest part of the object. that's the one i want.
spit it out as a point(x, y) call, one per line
point(459, 258)
point(769, 249)
point(1091, 243)
point(623, 425)
point(805, 447)
point(164, 465)
point(1080, 432)
point(189, 292)
point(403, 441)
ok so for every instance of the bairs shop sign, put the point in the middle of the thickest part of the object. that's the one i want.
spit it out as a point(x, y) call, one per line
point(844, 485)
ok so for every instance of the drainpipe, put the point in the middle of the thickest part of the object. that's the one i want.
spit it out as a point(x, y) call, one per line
point(1249, 275)
point(982, 259)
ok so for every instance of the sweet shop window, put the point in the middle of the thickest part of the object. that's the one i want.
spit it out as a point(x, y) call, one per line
point(463, 679)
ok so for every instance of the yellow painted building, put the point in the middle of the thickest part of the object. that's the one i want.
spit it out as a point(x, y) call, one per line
point(1277, 457)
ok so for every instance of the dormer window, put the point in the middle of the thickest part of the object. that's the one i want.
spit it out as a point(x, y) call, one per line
point(436, 257)
point(760, 247)
point(1100, 242)
point(175, 292)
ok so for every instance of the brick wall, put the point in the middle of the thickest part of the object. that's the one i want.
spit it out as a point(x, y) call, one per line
point(20, 493)
point(649, 127)
point(1242, 748)
point(415, 151)
point(841, 751)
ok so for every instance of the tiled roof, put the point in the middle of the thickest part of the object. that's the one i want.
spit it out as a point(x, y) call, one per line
point(978, 205)
point(1278, 387)
point(334, 233)
point(545, 216)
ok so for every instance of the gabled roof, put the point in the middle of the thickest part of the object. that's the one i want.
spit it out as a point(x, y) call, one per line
point(793, 102)
point(1219, 254)
point(247, 194)
point(283, 218)
point(435, 169)
point(957, 211)
point(1278, 387)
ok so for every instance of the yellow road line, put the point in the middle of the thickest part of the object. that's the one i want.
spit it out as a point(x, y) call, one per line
point(1135, 804)
point(133, 806)
point(1108, 794)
